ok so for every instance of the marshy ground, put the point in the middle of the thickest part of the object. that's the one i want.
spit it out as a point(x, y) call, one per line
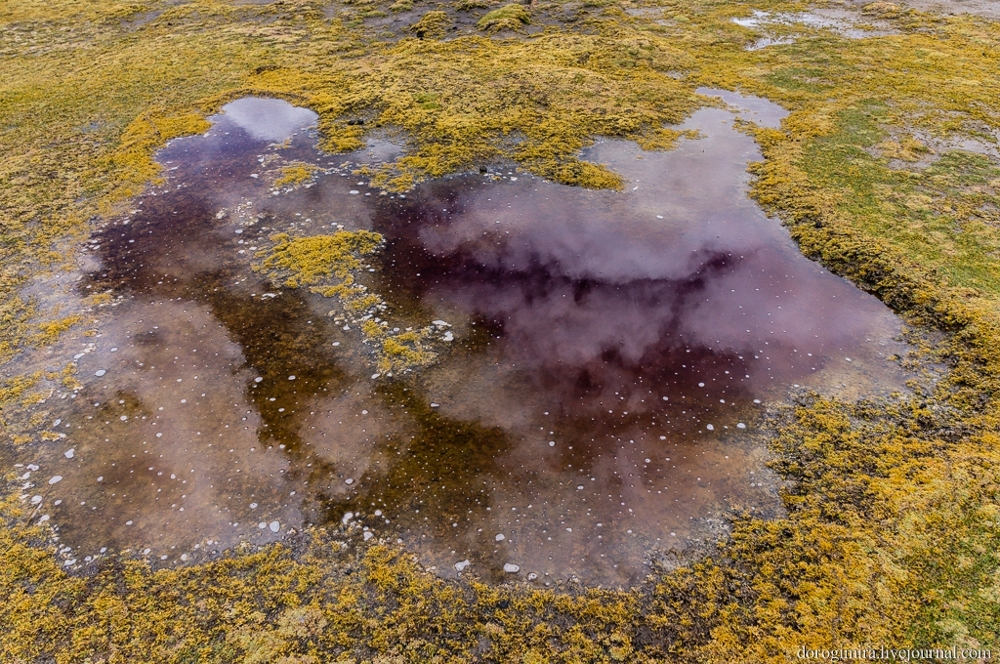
point(600, 331)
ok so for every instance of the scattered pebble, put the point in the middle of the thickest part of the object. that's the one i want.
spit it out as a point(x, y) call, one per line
point(511, 568)
point(274, 526)
point(500, 537)
point(35, 500)
point(55, 478)
point(368, 535)
point(740, 425)
point(69, 453)
point(100, 372)
point(710, 427)
point(349, 480)
point(460, 566)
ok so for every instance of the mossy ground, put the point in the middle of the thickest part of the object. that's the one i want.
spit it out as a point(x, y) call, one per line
point(892, 527)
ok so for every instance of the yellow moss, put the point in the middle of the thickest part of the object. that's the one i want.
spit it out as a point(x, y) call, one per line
point(329, 265)
point(295, 174)
point(431, 25)
point(509, 17)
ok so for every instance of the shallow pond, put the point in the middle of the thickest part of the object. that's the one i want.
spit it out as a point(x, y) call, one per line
point(600, 359)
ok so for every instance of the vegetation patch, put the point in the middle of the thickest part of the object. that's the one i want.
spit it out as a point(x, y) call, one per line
point(330, 265)
point(509, 17)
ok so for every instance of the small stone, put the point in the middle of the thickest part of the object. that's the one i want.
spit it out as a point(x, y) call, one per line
point(710, 427)
point(435, 405)
point(347, 518)
point(55, 478)
point(274, 526)
point(460, 566)
point(354, 192)
point(291, 378)
point(262, 525)
point(349, 481)
point(35, 500)
point(100, 372)
point(368, 535)
point(511, 568)
point(740, 425)
point(69, 453)
point(500, 537)
point(532, 576)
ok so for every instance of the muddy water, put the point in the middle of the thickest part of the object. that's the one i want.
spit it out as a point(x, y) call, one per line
point(601, 358)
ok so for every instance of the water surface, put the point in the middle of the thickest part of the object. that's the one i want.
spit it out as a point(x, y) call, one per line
point(602, 358)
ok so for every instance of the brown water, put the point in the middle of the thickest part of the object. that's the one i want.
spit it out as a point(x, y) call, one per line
point(602, 359)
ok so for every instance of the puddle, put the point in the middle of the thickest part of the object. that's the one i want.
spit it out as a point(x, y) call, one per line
point(842, 22)
point(602, 358)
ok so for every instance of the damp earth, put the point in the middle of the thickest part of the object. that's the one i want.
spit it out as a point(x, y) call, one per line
point(597, 362)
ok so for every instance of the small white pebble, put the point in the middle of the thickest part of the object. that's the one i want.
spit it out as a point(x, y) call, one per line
point(55, 478)
point(274, 526)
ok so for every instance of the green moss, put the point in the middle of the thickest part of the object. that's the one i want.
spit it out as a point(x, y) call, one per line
point(509, 17)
